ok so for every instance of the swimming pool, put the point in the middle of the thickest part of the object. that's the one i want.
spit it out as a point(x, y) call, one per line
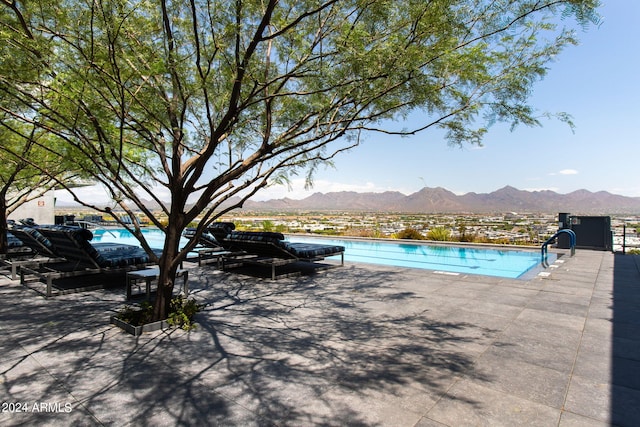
point(507, 263)
point(154, 236)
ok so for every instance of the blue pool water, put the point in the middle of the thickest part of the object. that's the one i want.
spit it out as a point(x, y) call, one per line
point(154, 236)
point(508, 263)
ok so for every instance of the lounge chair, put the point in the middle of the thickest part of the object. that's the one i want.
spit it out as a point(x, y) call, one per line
point(207, 246)
point(205, 240)
point(220, 230)
point(270, 249)
point(41, 249)
point(84, 258)
point(15, 247)
point(32, 238)
point(16, 251)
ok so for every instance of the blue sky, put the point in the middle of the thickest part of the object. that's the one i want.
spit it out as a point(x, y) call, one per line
point(596, 82)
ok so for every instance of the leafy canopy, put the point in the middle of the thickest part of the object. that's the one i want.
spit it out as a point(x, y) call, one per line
point(205, 100)
point(199, 95)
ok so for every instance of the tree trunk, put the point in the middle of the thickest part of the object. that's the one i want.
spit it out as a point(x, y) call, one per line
point(168, 264)
point(165, 292)
point(3, 225)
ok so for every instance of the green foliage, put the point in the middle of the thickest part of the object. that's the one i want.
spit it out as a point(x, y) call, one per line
point(30, 157)
point(440, 234)
point(267, 225)
point(410, 233)
point(327, 232)
point(182, 312)
point(213, 110)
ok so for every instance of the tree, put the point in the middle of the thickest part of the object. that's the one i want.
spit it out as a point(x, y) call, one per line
point(213, 100)
point(23, 145)
point(19, 181)
point(22, 162)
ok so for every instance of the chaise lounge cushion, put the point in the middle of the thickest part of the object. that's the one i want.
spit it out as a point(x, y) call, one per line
point(298, 250)
point(13, 242)
point(75, 246)
point(37, 236)
point(205, 239)
point(118, 255)
point(256, 236)
point(33, 239)
point(312, 250)
point(220, 230)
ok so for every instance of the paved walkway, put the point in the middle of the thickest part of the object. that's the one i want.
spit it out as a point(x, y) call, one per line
point(357, 346)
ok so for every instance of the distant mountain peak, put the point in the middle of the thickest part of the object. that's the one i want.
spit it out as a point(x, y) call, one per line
point(441, 200)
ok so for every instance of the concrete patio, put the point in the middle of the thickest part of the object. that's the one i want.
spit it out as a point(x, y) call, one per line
point(357, 345)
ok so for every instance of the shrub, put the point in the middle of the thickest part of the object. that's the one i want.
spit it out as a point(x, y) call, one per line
point(181, 315)
point(470, 238)
point(440, 234)
point(363, 232)
point(182, 312)
point(410, 233)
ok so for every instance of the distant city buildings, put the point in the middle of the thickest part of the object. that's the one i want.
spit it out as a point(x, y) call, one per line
point(507, 228)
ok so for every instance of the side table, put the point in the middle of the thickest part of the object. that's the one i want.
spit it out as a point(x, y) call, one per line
point(150, 274)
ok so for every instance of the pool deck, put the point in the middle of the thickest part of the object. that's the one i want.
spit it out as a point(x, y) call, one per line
point(357, 345)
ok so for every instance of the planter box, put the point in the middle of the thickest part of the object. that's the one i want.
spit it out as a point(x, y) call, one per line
point(139, 330)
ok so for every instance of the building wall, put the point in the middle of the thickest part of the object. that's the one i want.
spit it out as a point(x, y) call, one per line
point(40, 209)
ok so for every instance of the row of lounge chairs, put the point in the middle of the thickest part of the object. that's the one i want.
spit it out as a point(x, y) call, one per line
point(236, 248)
point(270, 249)
point(65, 251)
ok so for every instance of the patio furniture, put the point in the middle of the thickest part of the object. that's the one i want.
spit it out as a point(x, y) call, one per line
point(84, 258)
point(220, 230)
point(41, 249)
point(15, 252)
point(271, 250)
point(32, 238)
point(15, 247)
point(207, 247)
point(205, 240)
point(148, 275)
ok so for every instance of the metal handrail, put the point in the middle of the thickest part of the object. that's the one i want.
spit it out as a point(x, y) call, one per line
point(97, 226)
point(572, 243)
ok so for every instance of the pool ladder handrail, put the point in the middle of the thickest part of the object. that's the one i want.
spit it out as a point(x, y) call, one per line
point(87, 224)
point(572, 243)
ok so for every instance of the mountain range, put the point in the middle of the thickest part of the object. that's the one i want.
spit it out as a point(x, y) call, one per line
point(440, 200)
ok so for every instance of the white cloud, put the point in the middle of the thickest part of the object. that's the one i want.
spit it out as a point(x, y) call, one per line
point(568, 172)
point(565, 172)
